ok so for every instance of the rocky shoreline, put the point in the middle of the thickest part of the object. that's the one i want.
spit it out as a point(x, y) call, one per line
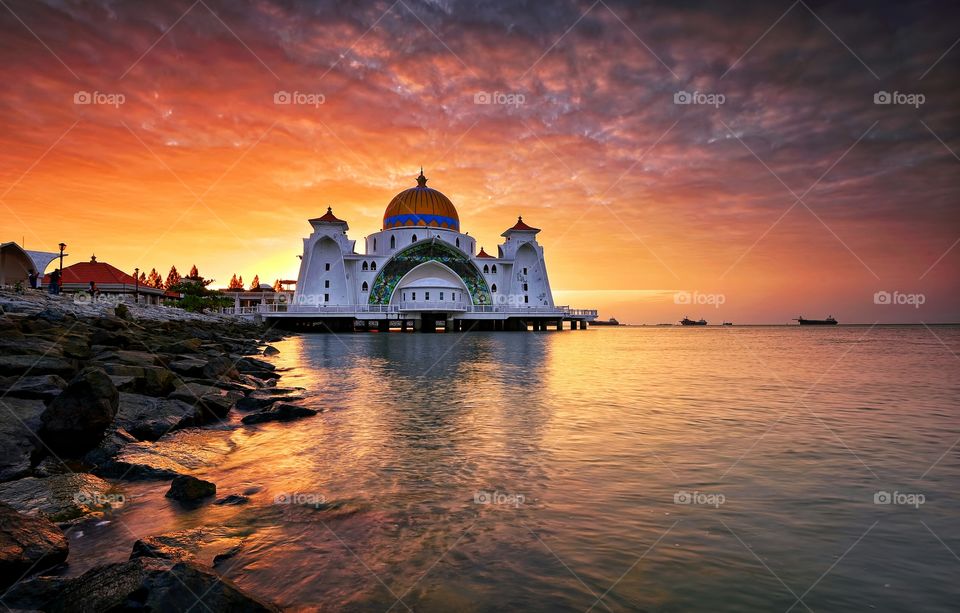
point(85, 390)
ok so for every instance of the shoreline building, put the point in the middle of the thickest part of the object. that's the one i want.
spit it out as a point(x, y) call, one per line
point(110, 281)
point(17, 262)
point(421, 269)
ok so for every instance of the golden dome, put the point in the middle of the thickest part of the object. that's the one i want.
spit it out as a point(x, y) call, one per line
point(421, 206)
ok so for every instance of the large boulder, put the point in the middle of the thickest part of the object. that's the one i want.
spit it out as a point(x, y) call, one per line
point(76, 420)
point(40, 387)
point(19, 422)
point(186, 488)
point(141, 584)
point(148, 418)
point(61, 498)
point(27, 544)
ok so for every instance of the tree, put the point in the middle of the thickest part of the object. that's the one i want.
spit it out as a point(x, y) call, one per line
point(277, 286)
point(143, 278)
point(173, 277)
point(240, 281)
point(197, 297)
point(235, 284)
point(255, 285)
point(154, 280)
point(194, 273)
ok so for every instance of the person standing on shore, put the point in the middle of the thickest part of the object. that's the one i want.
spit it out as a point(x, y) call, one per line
point(32, 278)
point(55, 282)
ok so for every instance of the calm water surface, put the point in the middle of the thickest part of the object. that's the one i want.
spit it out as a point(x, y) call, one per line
point(549, 471)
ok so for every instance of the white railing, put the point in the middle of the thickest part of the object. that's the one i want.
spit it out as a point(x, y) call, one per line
point(432, 305)
point(396, 309)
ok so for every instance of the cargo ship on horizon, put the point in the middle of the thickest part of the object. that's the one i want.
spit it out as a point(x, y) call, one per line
point(829, 321)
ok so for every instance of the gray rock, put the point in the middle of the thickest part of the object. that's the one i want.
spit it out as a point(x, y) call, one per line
point(150, 380)
point(113, 441)
point(124, 384)
point(27, 544)
point(216, 402)
point(40, 387)
point(76, 420)
point(188, 367)
point(148, 418)
point(254, 403)
point(111, 338)
point(130, 358)
point(232, 500)
point(190, 345)
point(19, 421)
point(186, 488)
point(220, 367)
point(17, 365)
point(60, 498)
point(280, 412)
point(270, 350)
point(253, 365)
point(176, 590)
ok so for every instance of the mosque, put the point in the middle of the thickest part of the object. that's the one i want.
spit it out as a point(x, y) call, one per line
point(421, 269)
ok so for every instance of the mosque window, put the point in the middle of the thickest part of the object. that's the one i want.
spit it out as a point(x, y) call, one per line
point(441, 296)
point(374, 244)
point(526, 298)
point(326, 284)
point(373, 265)
point(493, 269)
point(486, 269)
point(393, 242)
point(365, 287)
point(493, 288)
point(426, 295)
point(524, 270)
point(326, 297)
point(414, 239)
point(413, 295)
point(365, 267)
point(525, 287)
point(458, 242)
point(326, 266)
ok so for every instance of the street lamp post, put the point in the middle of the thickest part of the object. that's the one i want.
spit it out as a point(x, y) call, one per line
point(136, 285)
point(60, 281)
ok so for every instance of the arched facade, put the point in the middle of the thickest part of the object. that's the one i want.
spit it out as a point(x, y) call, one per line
point(429, 251)
point(421, 249)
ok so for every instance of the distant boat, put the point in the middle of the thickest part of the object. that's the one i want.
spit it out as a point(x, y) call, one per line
point(829, 321)
point(610, 322)
point(686, 321)
point(728, 323)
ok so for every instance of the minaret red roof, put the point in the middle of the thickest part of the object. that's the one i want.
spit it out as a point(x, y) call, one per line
point(329, 217)
point(520, 227)
point(484, 254)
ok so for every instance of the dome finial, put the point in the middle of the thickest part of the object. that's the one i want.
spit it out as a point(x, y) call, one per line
point(421, 180)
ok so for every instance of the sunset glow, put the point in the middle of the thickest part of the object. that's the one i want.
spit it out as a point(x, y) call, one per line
point(797, 194)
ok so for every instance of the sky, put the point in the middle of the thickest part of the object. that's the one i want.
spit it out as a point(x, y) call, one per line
point(735, 161)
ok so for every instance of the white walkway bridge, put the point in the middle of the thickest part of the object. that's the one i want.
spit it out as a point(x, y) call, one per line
point(424, 315)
